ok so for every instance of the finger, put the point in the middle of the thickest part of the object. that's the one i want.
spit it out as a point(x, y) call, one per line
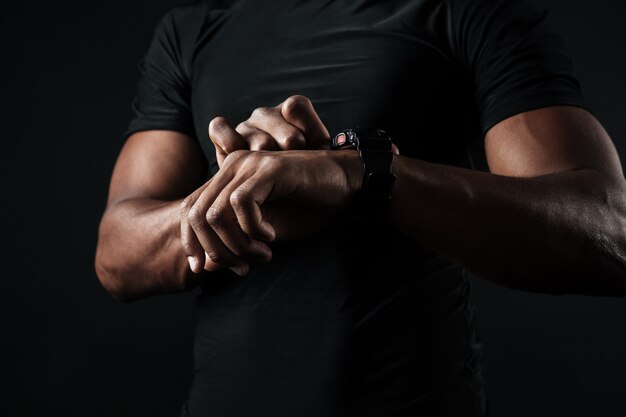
point(270, 120)
point(224, 138)
point(215, 250)
point(395, 149)
point(224, 223)
point(257, 140)
point(191, 246)
point(246, 202)
point(240, 270)
point(299, 111)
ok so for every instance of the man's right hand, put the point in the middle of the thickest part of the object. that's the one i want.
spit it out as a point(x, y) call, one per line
point(292, 124)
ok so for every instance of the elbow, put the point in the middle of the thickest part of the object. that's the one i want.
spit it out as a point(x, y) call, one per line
point(609, 240)
point(616, 247)
point(613, 252)
point(112, 279)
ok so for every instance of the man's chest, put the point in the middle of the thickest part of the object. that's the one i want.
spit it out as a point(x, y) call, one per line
point(374, 67)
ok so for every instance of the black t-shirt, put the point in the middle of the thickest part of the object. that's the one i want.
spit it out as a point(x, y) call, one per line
point(358, 320)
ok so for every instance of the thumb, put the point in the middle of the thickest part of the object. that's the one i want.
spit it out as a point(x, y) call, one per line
point(225, 138)
point(299, 111)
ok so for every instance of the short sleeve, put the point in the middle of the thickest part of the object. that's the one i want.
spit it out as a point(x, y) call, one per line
point(163, 95)
point(517, 61)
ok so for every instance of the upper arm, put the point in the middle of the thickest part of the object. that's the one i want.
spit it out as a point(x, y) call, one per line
point(157, 164)
point(530, 103)
point(548, 140)
point(161, 158)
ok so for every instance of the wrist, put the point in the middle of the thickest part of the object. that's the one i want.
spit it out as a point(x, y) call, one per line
point(353, 169)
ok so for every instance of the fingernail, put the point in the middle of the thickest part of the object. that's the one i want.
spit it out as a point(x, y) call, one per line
point(240, 270)
point(193, 263)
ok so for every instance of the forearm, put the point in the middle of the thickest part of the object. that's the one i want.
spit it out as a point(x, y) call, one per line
point(139, 250)
point(559, 233)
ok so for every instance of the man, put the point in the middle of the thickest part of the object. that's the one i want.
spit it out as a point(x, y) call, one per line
point(335, 281)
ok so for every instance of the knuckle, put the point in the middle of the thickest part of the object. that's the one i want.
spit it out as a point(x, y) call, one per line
point(234, 156)
point(184, 206)
point(239, 197)
point(263, 143)
point(243, 127)
point(296, 102)
point(195, 216)
point(214, 217)
point(239, 154)
point(261, 112)
point(293, 139)
point(295, 106)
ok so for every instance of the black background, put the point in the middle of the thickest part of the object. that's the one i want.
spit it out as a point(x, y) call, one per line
point(68, 73)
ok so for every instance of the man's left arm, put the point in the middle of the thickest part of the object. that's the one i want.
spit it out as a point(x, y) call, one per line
point(550, 216)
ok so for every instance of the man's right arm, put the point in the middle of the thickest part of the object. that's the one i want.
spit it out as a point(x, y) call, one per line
point(139, 251)
point(150, 234)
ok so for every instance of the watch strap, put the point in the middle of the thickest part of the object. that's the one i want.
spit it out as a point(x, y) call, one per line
point(375, 150)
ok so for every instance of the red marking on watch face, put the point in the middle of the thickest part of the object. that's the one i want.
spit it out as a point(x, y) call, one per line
point(341, 139)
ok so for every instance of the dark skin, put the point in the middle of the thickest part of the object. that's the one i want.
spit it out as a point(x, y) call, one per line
point(549, 217)
point(139, 251)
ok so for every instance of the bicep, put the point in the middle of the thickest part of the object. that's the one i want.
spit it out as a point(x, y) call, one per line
point(549, 140)
point(157, 164)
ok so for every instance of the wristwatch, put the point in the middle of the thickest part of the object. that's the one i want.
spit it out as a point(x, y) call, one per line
point(375, 150)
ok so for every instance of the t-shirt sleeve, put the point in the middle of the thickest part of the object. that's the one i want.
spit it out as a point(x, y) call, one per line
point(516, 59)
point(163, 95)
